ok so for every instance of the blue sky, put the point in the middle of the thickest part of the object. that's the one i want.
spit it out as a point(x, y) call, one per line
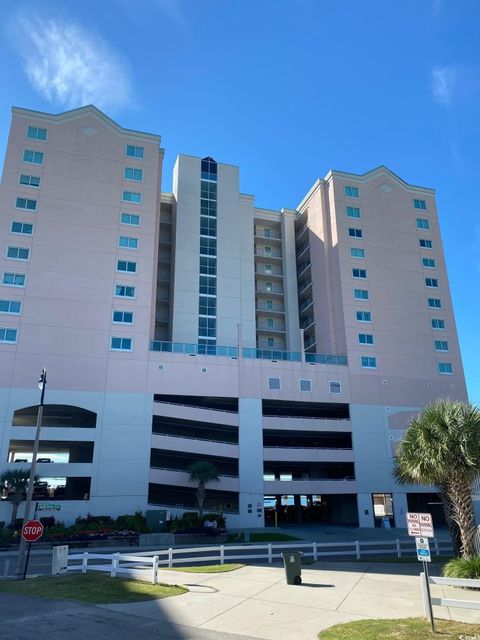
point(286, 89)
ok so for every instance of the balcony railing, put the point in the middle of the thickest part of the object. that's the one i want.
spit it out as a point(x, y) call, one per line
point(261, 270)
point(260, 252)
point(305, 304)
point(270, 327)
point(262, 288)
point(275, 308)
point(191, 349)
point(260, 233)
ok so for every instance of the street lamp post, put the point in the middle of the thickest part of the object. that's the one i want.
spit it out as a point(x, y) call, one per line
point(19, 571)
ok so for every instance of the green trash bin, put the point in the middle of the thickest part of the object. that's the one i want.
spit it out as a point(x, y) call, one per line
point(293, 567)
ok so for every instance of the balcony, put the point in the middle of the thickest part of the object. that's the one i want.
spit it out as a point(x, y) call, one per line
point(305, 304)
point(301, 250)
point(260, 253)
point(304, 286)
point(274, 289)
point(266, 235)
point(164, 276)
point(307, 322)
point(270, 308)
point(303, 267)
point(266, 326)
point(274, 272)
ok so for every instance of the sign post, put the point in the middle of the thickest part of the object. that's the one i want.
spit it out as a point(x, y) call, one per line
point(420, 525)
point(31, 532)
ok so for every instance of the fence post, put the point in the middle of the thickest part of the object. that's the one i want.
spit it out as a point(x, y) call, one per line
point(154, 570)
point(170, 558)
point(357, 549)
point(399, 550)
point(315, 552)
point(85, 562)
point(113, 571)
point(269, 553)
point(6, 567)
point(437, 548)
point(222, 554)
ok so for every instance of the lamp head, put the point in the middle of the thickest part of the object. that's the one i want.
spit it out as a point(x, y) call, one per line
point(43, 379)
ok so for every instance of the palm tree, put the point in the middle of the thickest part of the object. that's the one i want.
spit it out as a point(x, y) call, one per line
point(202, 472)
point(442, 447)
point(16, 482)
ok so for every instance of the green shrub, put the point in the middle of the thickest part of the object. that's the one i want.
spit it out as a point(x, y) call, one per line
point(95, 522)
point(463, 568)
point(137, 523)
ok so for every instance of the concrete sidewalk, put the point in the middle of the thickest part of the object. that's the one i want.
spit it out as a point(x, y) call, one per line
point(255, 601)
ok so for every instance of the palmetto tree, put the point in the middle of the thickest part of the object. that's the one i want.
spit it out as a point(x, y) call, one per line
point(442, 447)
point(16, 482)
point(202, 472)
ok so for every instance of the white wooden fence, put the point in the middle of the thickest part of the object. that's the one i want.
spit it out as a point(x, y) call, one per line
point(143, 561)
point(448, 602)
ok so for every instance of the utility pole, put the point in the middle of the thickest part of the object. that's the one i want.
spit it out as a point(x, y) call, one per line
point(19, 571)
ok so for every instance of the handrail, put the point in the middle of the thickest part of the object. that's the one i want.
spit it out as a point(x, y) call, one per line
point(171, 435)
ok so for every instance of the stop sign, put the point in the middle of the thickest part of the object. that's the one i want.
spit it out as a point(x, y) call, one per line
point(32, 530)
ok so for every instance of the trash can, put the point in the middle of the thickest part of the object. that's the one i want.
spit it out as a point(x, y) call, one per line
point(293, 567)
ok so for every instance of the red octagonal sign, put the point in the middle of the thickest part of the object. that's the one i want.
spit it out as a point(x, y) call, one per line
point(32, 530)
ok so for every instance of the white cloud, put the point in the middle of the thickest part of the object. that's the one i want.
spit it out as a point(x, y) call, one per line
point(444, 84)
point(69, 66)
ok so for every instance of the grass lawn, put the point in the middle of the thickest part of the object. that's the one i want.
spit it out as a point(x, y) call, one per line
point(212, 568)
point(403, 629)
point(93, 588)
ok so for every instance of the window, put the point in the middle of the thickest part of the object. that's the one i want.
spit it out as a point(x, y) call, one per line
point(270, 343)
point(121, 344)
point(14, 279)
point(8, 335)
point(10, 306)
point(305, 385)
point(21, 227)
point(130, 218)
point(267, 233)
point(25, 203)
point(134, 152)
point(365, 338)
point(124, 265)
point(419, 204)
point(208, 246)
point(123, 317)
point(269, 286)
point(351, 192)
point(360, 294)
point(422, 223)
point(424, 243)
point(18, 253)
point(124, 291)
point(355, 233)
point(368, 362)
point(34, 133)
point(356, 252)
point(208, 226)
point(269, 304)
point(353, 212)
point(268, 269)
point(432, 283)
point(208, 266)
point(132, 196)
point(438, 324)
point(359, 273)
point(29, 181)
point(127, 243)
point(434, 303)
point(335, 386)
point(269, 323)
point(441, 345)
point(208, 190)
point(429, 263)
point(131, 173)
point(445, 367)
point(208, 285)
point(33, 157)
point(364, 316)
point(207, 306)
point(207, 327)
point(274, 383)
point(267, 251)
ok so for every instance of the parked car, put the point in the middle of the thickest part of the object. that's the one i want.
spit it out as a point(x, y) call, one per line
point(43, 460)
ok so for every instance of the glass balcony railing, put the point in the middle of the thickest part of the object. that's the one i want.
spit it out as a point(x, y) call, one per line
point(192, 349)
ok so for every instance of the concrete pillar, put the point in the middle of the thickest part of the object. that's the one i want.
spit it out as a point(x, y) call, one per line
point(365, 510)
point(400, 509)
point(250, 463)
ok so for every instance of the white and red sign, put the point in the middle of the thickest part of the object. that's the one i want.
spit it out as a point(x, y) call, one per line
point(32, 530)
point(420, 525)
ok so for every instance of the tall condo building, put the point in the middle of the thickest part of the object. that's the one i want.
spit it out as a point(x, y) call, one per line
point(288, 347)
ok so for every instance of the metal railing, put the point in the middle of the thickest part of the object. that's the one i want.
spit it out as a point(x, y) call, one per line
point(270, 353)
